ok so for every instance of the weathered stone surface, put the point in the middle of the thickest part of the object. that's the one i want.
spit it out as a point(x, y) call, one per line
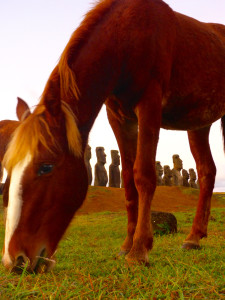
point(193, 177)
point(101, 177)
point(185, 176)
point(87, 157)
point(163, 222)
point(164, 175)
point(167, 178)
point(114, 171)
point(177, 179)
point(159, 173)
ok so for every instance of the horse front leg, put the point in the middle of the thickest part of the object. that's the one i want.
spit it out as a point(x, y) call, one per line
point(199, 144)
point(125, 131)
point(148, 112)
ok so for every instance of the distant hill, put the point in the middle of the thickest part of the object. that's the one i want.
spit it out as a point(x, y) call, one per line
point(168, 199)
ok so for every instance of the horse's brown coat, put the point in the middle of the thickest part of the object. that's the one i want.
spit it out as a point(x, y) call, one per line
point(7, 128)
point(153, 68)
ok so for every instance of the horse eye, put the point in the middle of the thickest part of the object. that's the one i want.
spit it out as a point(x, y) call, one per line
point(45, 169)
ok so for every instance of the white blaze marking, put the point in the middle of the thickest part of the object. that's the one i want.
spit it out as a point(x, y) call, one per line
point(14, 205)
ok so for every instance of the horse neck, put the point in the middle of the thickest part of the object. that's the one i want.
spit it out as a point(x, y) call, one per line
point(95, 83)
point(91, 54)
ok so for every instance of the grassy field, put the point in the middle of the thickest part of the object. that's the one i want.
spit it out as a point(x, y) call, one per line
point(87, 269)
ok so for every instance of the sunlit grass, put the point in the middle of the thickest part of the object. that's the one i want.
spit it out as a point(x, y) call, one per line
point(87, 269)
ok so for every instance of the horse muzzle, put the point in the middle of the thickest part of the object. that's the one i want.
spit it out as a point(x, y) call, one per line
point(40, 264)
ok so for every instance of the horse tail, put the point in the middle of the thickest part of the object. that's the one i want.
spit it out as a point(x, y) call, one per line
point(223, 130)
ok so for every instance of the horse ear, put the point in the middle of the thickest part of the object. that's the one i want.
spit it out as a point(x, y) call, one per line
point(22, 109)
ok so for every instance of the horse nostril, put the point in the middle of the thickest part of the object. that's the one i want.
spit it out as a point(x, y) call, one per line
point(19, 264)
point(20, 261)
point(43, 264)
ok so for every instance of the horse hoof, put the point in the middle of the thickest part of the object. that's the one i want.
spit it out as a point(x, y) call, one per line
point(137, 260)
point(122, 253)
point(134, 262)
point(190, 246)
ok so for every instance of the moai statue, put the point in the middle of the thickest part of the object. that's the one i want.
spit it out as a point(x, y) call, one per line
point(177, 167)
point(114, 171)
point(101, 177)
point(87, 157)
point(167, 178)
point(159, 173)
point(185, 178)
point(192, 179)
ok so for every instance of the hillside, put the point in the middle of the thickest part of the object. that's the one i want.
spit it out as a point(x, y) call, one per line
point(169, 199)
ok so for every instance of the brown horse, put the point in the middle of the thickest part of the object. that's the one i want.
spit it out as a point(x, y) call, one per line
point(156, 68)
point(7, 127)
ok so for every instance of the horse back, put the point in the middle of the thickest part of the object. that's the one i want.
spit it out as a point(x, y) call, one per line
point(7, 127)
point(195, 97)
point(219, 30)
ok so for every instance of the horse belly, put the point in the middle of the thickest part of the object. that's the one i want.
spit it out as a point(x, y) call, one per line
point(190, 115)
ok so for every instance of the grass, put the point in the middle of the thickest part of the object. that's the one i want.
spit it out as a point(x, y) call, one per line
point(189, 191)
point(87, 269)
point(220, 197)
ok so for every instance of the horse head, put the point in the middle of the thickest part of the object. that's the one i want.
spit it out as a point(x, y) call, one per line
point(43, 157)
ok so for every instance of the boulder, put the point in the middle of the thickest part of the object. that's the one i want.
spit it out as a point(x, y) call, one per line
point(163, 222)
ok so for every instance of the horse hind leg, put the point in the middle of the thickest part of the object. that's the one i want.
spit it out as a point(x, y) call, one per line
point(199, 144)
point(125, 131)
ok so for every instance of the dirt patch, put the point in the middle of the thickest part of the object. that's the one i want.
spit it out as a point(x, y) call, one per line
point(168, 199)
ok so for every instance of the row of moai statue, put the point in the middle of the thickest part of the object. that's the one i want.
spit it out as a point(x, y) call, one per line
point(177, 176)
point(101, 176)
point(171, 177)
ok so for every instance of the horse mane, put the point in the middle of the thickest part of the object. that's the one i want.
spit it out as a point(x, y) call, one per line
point(29, 134)
point(68, 83)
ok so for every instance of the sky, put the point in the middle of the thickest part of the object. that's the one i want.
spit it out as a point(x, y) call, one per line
point(33, 34)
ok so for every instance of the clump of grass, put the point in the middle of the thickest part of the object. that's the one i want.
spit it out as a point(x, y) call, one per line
point(163, 228)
